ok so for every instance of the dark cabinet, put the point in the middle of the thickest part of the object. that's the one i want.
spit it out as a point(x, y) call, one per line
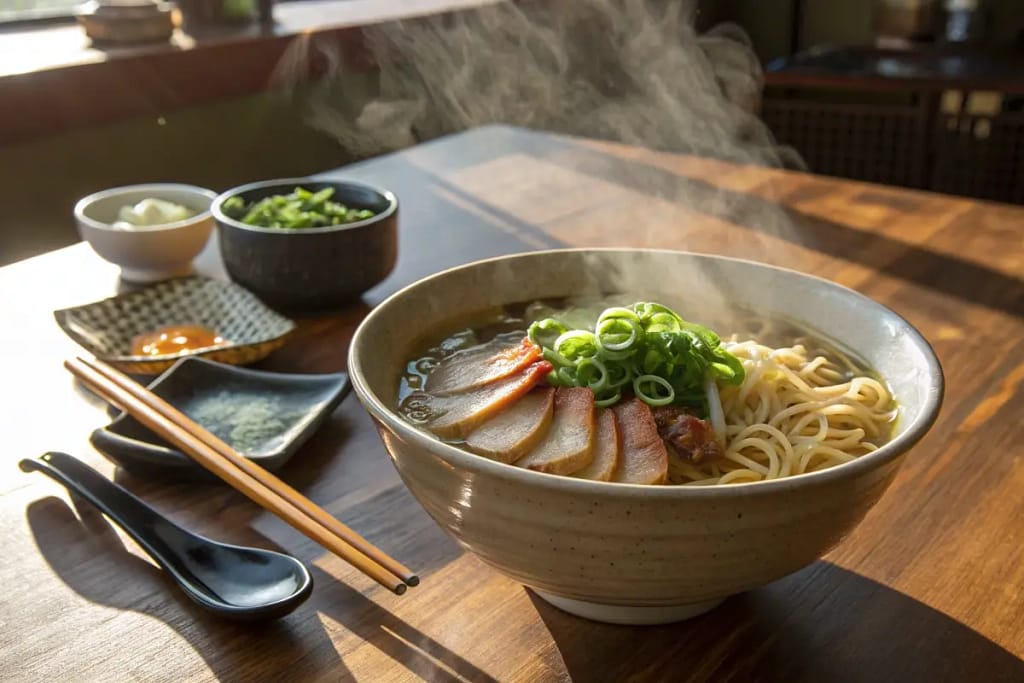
point(949, 123)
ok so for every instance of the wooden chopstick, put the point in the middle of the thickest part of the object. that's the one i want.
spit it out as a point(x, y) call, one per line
point(308, 507)
point(247, 477)
point(240, 473)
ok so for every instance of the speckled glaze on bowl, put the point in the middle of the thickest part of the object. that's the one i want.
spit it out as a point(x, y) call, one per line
point(312, 268)
point(625, 553)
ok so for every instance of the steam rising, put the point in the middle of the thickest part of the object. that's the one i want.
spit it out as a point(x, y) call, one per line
point(630, 71)
point(625, 70)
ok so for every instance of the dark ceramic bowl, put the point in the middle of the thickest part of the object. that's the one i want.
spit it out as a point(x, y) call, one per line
point(311, 268)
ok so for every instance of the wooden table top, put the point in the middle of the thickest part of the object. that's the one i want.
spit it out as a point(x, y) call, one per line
point(929, 587)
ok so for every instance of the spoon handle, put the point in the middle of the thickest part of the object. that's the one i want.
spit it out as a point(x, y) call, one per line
point(137, 519)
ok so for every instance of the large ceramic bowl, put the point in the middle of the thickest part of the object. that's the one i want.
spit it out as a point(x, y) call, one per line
point(627, 553)
point(310, 268)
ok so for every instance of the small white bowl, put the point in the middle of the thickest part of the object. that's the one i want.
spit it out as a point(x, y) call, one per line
point(154, 253)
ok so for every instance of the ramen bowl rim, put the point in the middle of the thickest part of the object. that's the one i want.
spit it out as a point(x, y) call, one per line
point(456, 457)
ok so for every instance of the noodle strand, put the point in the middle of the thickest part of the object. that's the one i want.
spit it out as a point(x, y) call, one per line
point(792, 414)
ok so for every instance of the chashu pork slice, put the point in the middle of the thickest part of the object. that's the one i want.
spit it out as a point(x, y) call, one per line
point(514, 432)
point(568, 445)
point(459, 414)
point(606, 448)
point(475, 368)
point(643, 459)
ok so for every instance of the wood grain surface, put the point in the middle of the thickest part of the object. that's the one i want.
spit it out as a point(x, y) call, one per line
point(930, 587)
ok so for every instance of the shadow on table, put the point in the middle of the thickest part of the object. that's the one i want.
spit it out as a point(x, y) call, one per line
point(90, 558)
point(407, 646)
point(821, 624)
point(938, 271)
point(405, 532)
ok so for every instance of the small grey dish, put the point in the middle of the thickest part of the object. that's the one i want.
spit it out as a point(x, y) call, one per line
point(310, 269)
point(265, 416)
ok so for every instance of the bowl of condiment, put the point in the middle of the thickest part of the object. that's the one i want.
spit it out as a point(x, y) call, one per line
point(148, 330)
point(152, 231)
point(638, 434)
point(307, 244)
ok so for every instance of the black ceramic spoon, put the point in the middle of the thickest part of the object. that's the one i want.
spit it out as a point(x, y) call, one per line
point(233, 581)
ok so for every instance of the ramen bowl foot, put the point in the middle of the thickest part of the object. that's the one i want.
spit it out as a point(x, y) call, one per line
point(629, 614)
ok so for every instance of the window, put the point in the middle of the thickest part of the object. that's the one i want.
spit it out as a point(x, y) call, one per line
point(28, 10)
point(16, 10)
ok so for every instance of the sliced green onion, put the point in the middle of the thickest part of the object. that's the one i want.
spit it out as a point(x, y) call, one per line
point(606, 355)
point(666, 359)
point(618, 375)
point(576, 344)
point(562, 377)
point(663, 322)
point(544, 332)
point(729, 368)
point(652, 398)
point(593, 374)
point(556, 359)
point(617, 334)
point(618, 312)
point(651, 360)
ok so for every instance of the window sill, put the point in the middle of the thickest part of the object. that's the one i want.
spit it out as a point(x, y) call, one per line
point(52, 80)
